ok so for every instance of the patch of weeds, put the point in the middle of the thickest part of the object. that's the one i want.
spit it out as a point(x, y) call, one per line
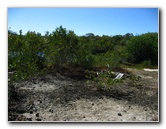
point(147, 63)
point(103, 81)
point(134, 78)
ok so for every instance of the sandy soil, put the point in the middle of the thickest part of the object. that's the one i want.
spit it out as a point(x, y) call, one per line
point(60, 98)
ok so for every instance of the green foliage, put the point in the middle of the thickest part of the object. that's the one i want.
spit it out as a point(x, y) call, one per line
point(83, 56)
point(143, 47)
point(22, 54)
point(32, 54)
point(62, 47)
point(147, 63)
point(104, 81)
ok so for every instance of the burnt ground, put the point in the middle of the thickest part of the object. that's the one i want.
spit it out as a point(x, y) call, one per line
point(66, 96)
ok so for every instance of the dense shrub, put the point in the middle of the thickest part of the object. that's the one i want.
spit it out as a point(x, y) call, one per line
point(32, 53)
point(143, 47)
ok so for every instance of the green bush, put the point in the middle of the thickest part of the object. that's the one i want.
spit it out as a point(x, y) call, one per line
point(142, 48)
point(63, 47)
point(147, 63)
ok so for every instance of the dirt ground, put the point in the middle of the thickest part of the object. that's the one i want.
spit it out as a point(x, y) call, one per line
point(57, 98)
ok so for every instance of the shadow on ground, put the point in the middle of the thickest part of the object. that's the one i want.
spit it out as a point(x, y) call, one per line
point(60, 90)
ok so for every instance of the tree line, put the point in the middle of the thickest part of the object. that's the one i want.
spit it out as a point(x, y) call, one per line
point(33, 53)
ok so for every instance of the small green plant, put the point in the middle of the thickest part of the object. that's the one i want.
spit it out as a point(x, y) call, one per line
point(103, 81)
point(134, 78)
point(147, 63)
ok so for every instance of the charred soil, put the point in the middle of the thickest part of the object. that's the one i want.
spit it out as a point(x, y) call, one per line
point(65, 95)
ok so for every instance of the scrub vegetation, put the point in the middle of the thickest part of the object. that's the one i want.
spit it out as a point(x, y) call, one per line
point(90, 58)
point(32, 53)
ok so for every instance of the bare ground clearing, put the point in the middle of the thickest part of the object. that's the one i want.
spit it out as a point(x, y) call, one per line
point(56, 97)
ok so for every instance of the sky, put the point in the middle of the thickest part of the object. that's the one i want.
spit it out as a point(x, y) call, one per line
point(99, 21)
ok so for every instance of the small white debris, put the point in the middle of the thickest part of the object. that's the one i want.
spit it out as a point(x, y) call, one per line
point(70, 84)
point(108, 66)
point(150, 70)
point(98, 74)
point(119, 76)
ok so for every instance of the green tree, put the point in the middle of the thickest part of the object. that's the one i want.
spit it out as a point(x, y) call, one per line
point(143, 47)
point(62, 46)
